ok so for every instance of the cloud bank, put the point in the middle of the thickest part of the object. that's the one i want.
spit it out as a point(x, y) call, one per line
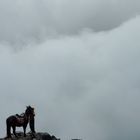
point(84, 86)
point(28, 21)
point(81, 74)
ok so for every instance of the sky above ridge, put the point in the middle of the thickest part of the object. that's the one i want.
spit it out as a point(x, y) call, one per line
point(76, 62)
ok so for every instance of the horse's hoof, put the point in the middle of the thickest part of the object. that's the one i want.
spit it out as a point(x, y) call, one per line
point(33, 135)
point(8, 137)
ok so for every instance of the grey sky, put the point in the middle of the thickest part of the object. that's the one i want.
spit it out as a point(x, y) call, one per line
point(36, 20)
point(81, 74)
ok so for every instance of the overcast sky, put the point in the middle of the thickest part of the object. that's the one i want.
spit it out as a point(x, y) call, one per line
point(76, 62)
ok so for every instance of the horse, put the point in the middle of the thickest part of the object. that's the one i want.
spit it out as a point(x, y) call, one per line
point(19, 121)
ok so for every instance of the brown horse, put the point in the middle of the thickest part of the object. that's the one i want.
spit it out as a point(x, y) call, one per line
point(19, 121)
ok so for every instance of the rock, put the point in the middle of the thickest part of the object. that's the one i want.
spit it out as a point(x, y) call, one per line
point(30, 136)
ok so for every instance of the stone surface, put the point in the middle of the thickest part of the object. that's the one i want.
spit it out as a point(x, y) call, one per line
point(36, 136)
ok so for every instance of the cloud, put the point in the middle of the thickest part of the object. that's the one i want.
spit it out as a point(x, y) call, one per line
point(27, 21)
point(82, 86)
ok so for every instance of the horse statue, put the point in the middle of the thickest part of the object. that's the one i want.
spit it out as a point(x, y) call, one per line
point(20, 121)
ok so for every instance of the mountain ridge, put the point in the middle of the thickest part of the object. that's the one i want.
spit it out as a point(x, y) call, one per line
point(31, 136)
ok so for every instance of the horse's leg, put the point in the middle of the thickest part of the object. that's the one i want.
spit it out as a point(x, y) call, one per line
point(24, 129)
point(8, 129)
point(14, 130)
point(8, 132)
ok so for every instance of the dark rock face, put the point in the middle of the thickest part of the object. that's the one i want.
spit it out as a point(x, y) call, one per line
point(30, 136)
point(43, 136)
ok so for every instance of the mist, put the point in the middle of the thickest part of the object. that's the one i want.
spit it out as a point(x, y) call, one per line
point(23, 22)
point(80, 74)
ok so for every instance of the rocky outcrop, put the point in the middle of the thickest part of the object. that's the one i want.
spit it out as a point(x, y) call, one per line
point(30, 136)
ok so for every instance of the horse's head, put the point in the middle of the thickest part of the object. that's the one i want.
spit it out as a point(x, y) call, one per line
point(30, 111)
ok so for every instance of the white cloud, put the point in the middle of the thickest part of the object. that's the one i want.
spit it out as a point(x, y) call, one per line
point(28, 21)
point(84, 85)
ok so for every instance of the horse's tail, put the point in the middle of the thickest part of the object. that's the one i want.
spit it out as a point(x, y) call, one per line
point(8, 128)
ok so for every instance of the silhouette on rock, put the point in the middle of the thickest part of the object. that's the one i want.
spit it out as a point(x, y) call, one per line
point(20, 121)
